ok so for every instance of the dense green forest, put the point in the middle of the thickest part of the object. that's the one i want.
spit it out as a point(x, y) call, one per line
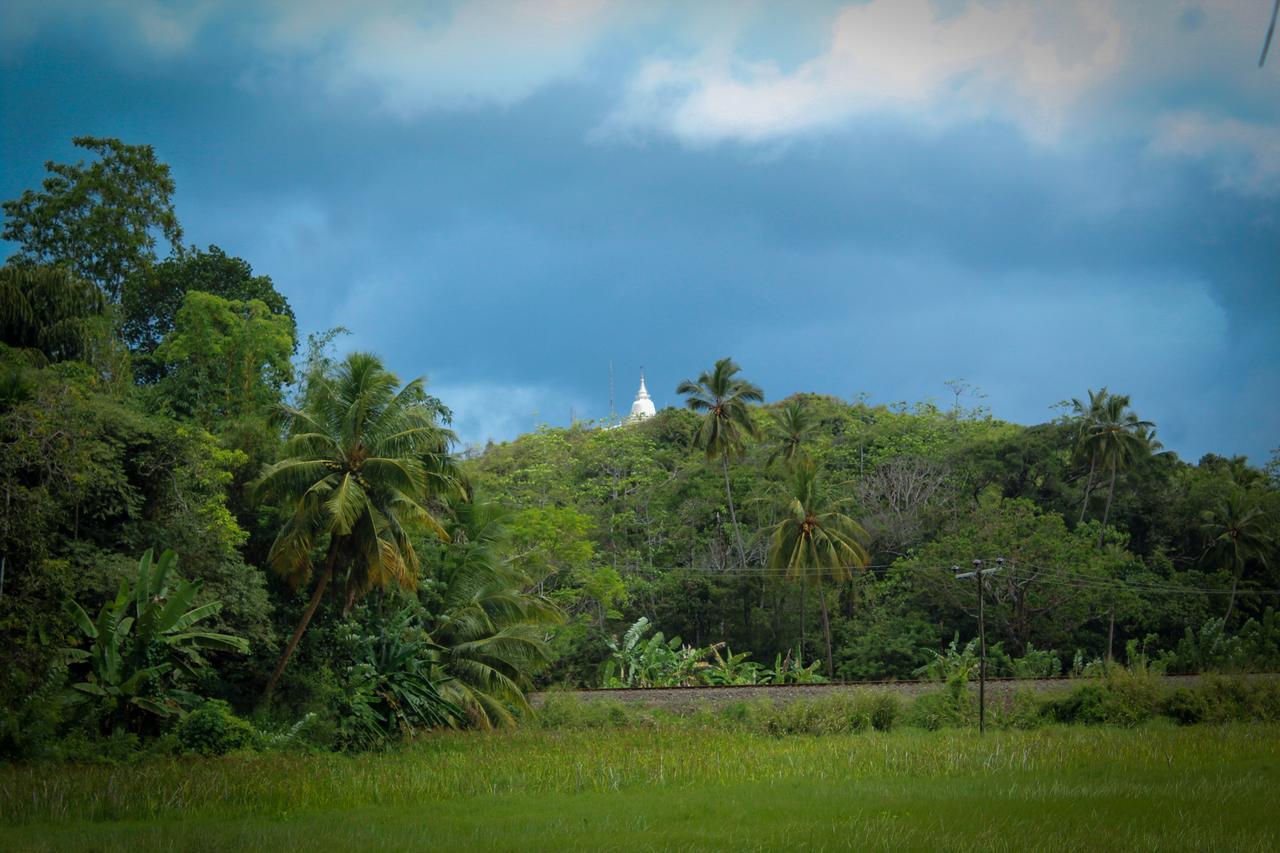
point(208, 516)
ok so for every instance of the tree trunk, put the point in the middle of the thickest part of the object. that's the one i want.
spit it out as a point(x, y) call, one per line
point(1088, 488)
point(804, 615)
point(826, 629)
point(1111, 636)
point(330, 559)
point(1106, 514)
point(1231, 602)
point(733, 513)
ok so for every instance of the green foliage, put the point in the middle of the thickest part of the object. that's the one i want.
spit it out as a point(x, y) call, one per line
point(490, 623)
point(1028, 602)
point(791, 670)
point(153, 299)
point(212, 729)
point(392, 687)
point(225, 361)
point(49, 311)
point(1120, 698)
point(99, 219)
point(653, 662)
point(954, 665)
point(360, 468)
point(1256, 647)
point(723, 398)
point(139, 642)
point(844, 713)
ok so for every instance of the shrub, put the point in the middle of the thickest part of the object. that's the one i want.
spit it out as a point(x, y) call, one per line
point(1185, 706)
point(1024, 712)
point(1119, 699)
point(940, 709)
point(838, 714)
point(212, 729)
point(1239, 699)
point(885, 709)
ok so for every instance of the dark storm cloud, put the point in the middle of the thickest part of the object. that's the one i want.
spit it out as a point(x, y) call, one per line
point(511, 250)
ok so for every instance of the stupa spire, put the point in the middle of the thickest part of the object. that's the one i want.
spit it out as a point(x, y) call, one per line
point(643, 406)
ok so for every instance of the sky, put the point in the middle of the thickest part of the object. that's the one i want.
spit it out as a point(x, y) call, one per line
point(847, 198)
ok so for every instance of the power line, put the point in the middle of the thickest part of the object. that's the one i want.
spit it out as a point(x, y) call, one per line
point(1050, 575)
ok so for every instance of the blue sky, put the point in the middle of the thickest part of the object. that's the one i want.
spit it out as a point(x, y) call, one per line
point(874, 197)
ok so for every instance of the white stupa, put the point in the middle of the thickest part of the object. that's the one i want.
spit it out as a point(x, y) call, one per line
point(643, 406)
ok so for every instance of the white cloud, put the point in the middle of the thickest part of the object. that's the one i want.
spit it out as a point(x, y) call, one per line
point(415, 57)
point(1021, 62)
point(486, 411)
point(1245, 156)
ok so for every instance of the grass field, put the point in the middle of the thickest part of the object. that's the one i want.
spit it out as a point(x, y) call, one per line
point(681, 787)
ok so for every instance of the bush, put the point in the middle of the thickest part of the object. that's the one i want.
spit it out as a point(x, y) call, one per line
point(1239, 699)
point(1026, 711)
point(940, 709)
point(1119, 699)
point(212, 729)
point(1185, 706)
point(839, 714)
point(90, 748)
point(29, 722)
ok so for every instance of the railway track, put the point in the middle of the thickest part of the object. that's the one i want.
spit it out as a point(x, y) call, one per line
point(998, 689)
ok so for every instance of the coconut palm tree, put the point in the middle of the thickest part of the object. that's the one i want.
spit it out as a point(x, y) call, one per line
point(815, 541)
point(1085, 417)
point(490, 630)
point(727, 422)
point(1239, 531)
point(360, 467)
point(1115, 437)
point(792, 426)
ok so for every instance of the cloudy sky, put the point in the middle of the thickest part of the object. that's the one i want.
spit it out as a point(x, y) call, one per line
point(1040, 198)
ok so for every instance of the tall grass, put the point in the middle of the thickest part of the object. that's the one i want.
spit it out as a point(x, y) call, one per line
point(547, 763)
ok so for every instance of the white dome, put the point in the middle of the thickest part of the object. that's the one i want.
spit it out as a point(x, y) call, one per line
point(643, 406)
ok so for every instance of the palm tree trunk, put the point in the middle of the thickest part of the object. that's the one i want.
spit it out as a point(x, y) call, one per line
point(733, 514)
point(1088, 488)
point(1106, 514)
point(330, 560)
point(826, 628)
point(804, 615)
point(1111, 635)
point(1231, 601)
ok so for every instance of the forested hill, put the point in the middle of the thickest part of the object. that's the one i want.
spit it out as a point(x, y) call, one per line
point(635, 521)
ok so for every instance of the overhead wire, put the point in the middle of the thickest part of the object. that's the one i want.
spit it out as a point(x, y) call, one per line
point(1048, 574)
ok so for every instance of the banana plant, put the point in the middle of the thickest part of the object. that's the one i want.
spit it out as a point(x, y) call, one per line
point(140, 640)
point(656, 662)
point(730, 668)
point(791, 670)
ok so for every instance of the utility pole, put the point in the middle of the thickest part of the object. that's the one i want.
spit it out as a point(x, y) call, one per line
point(979, 573)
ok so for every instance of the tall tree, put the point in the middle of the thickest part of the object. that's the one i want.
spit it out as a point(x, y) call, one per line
point(815, 541)
point(152, 299)
point(100, 219)
point(225, 360)
point(792, 426)
point(490, 627)
point(357, 473)
point(726, 423)
point(48, 310)
point(1115, 437)
point(1084, 418)
point(1240, 531)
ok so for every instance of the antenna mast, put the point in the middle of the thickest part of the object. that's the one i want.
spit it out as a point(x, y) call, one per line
point(613, 414)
